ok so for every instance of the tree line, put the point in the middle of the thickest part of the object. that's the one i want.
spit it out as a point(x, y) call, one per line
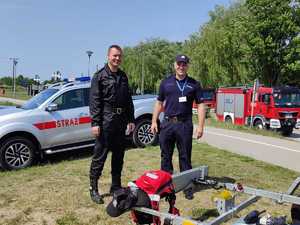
point(20, 81)
point(24, 81)
point(250, 39)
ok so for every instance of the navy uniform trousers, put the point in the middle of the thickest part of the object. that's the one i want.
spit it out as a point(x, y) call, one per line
point(181, 134)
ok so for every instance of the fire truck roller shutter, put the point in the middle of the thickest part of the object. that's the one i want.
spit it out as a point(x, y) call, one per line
point(220, 103)
point(239, 106)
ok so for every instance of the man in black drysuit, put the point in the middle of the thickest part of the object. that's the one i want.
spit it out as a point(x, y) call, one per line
point(111, 109)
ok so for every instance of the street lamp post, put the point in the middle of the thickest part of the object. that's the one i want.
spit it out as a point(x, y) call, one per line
point(15, 62)
point(89, 53)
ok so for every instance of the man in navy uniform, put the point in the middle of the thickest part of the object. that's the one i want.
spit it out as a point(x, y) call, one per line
point(176, 95)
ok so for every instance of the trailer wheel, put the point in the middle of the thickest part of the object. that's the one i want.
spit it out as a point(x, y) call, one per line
point(228, 119)
point(258, 124)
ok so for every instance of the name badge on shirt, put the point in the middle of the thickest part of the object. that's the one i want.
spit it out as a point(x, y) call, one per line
point(182, 99)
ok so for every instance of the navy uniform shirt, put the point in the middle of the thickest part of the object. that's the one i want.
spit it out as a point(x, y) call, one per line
point(171, 90)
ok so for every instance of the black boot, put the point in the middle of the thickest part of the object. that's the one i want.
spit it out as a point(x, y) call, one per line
point(115, 184)
point(94, 192)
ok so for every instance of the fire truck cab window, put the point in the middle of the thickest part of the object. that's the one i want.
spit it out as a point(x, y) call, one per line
point(71, 99)
point(266, 98)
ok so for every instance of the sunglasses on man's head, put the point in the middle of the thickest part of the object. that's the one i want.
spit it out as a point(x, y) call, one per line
point(181, 64)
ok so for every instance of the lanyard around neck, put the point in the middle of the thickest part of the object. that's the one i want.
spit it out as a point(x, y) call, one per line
point(181, 88)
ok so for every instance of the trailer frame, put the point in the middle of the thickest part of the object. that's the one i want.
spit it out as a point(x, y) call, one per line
point(198, 180)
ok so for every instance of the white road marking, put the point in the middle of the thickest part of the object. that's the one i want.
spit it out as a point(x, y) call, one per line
point(252, 141)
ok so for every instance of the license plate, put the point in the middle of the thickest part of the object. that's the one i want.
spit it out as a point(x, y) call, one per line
point(288, 116)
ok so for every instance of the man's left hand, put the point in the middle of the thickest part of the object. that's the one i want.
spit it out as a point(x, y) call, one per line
point(130, 127)
point(199, 132)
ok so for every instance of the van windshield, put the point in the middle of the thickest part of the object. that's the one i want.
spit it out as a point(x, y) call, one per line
point(287, 99)
point(39, 99)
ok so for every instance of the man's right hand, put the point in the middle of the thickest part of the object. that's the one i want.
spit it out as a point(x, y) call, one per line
point(154, 128)
point(96, 131)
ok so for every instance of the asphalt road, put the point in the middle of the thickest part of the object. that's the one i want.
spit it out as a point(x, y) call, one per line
point(282, 152)
point(295, 135)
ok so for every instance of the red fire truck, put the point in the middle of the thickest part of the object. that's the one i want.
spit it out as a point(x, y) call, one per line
point(209, 99)
point(277, 108)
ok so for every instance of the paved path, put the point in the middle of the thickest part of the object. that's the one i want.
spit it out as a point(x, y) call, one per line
point(295, 135)
point(282, 152)
point(15, 101)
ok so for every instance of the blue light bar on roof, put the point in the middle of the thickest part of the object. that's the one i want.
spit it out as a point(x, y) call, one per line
point(82, 79)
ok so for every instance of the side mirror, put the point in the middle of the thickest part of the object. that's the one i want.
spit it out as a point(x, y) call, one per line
point(51, 107)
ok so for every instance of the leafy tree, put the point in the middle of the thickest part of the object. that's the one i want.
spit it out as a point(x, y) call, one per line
point(6, 81)
point(152, 60)
point(249, 39)
point(273, 35)
point(218, 50)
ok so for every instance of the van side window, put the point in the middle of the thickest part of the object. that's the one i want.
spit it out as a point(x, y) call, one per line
point(70, 99)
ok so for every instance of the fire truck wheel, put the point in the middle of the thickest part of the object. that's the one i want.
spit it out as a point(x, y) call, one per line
point(16, 153)
point(142, 135)
point(287, 131)
point(259, 124)
point(228, 119)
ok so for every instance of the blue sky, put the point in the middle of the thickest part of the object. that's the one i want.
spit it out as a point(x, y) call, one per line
point(54, 35)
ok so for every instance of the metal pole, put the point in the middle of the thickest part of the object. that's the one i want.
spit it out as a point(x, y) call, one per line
point(89, 53)
point(14, 78)
point(13, 73)
point(15, 61)
point(252, 102)
point(89, 66)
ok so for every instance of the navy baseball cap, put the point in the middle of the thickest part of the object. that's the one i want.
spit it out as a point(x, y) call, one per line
point(182, 58)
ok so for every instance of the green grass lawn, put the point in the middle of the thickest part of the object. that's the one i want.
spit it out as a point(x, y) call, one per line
point(21, 93)
point(7, 103)
point(57, 192)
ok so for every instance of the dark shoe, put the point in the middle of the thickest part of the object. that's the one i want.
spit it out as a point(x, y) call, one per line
point(188, 194)
point(95, 196)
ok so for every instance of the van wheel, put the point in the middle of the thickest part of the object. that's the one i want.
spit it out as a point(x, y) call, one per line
point(17, 153)
point(142, 135)
point(259, 124)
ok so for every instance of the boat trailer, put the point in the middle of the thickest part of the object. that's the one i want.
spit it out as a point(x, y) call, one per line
point(198, 180)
